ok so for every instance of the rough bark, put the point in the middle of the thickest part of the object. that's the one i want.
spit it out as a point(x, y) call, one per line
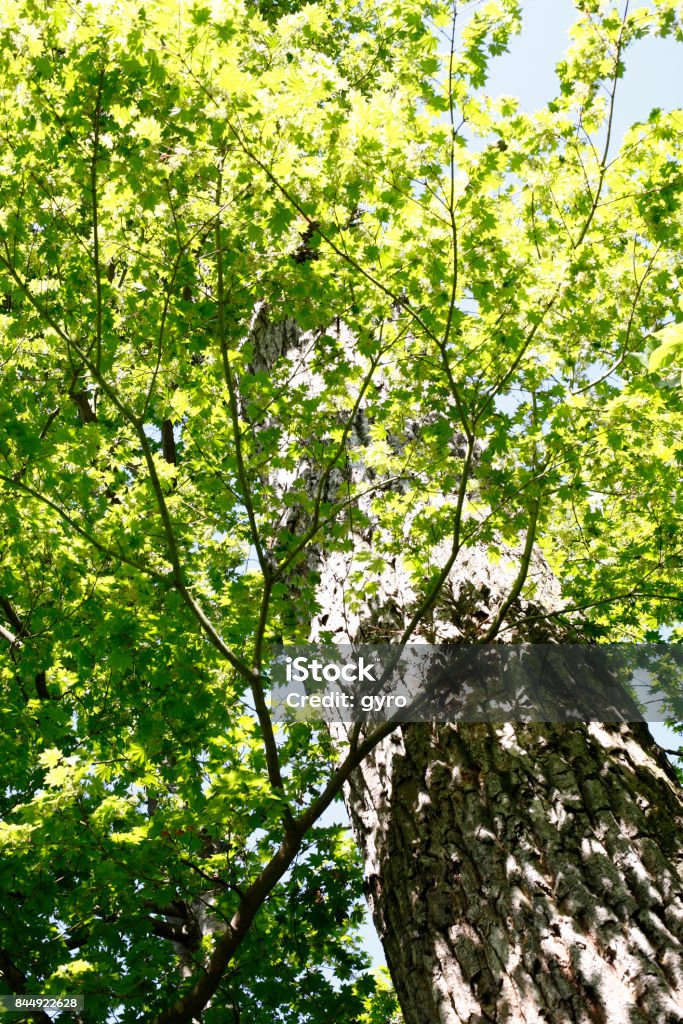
point(525, 873)
point(516, 873)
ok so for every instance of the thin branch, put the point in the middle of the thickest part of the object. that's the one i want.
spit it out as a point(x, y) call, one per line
point(500, 384)
point(569, 609)
point(624, 353)
point(13, 640)
point(398, 300)
point(119, 556)
point(95, 220)
point(177, 576)
point(17, 982)
point(261, 705)
point(522, 574)
point(191, 1004)
point(14, 619)
point(232, 394)
point(324, 478)
point(451, 205)
point(254, 676)
point(610, 121)
point(432, 594)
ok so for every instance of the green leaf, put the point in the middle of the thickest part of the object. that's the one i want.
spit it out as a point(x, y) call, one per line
point(670, 348)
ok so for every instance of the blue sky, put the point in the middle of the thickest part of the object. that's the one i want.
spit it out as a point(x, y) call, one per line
point(653, 66)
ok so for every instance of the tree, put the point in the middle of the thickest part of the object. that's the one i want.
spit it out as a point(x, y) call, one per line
point(304, 335)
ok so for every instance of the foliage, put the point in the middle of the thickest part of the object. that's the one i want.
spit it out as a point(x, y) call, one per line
point(668, 350)
point(167, 170)
point(382, 1007)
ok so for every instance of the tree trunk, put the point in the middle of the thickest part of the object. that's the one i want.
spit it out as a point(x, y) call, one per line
point(516, 873)
point(525, 874)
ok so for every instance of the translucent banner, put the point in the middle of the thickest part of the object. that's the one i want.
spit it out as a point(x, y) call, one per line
point(478, 682)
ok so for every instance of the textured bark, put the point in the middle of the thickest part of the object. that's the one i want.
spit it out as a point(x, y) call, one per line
point(525, 874)
point(516, 873)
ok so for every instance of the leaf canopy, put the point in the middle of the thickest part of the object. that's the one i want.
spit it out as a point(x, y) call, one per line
point(169, 173)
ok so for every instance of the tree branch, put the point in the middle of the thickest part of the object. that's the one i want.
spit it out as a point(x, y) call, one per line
point(93, 541)
point(610, 120)
point(16, 980)
point(95, 220)
point(232, 394)
point(522, 574)
point(195, 999)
